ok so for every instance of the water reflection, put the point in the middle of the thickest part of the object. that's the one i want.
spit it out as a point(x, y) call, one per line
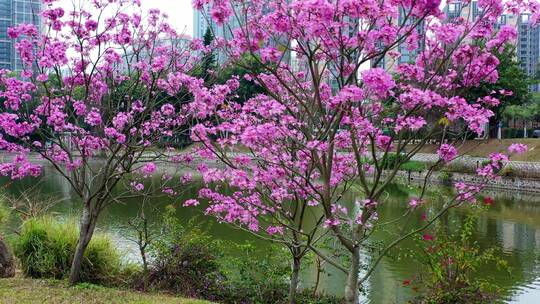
point(512, 224)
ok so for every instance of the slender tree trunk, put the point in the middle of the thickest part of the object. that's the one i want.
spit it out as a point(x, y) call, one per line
point(318, 262)
point(351, 288)
point(87, 227)
point(145, 273)
point(295, 273)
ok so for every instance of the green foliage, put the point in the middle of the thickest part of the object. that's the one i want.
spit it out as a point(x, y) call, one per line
point(512, 133)
point(5, 213)
point(391, 160)
point(507, 171)
point(45, 249)
point(208, 61)
point(247, 65)
point(185, 260)
point(453, 264)
point(527, 110)
point(511, 78)
point(413, 166)
point(257, 277)
point(306, 297)
point(445, 176)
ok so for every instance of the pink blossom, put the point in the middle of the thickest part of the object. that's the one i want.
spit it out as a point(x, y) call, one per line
point(148, 169)
point(518, 148)
point(191, 203)
point(274, 230)
point(428, 237)
point(167, 109)
point(137, 186)
point(93, 118)
point(378, 81)
point(447, 153)
point(413, 203)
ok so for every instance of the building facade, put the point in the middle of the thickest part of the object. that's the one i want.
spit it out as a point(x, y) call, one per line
point(202, 21)
point(12, 13)
point(528, 47)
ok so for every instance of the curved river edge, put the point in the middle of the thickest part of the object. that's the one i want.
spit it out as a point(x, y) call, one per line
point(521, 182)
point(447, 179)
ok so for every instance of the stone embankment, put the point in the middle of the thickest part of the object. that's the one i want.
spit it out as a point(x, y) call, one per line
point(444, 178)
point(470, 164)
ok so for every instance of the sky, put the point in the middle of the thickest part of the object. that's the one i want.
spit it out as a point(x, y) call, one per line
point(180, 12)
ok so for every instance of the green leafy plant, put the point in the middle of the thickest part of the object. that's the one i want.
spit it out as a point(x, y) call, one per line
point(45, 248)
point(185, 260)
point(5, 213)
point(507, 171)
point(453, 262)
point(445, 176)
point(255, 276)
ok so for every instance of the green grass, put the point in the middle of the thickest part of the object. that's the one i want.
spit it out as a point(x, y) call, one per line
point(45, 248)
point(28, 291)
point(413, 166)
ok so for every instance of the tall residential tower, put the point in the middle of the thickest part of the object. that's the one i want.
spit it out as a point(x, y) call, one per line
point(12, 13)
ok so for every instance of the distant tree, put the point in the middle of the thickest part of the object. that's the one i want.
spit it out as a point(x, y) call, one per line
point(528, 111)
point(512, 78)
point(208, 61)
point(243, 68)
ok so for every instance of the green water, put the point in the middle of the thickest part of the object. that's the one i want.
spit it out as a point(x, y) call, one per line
point(512, 224)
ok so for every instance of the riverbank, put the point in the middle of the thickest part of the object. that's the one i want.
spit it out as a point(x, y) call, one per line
point(483, 148)
point(28, 291)
point(513, 184)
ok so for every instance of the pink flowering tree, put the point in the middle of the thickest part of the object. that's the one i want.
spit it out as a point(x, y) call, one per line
point(341, 110)
point(102, 85)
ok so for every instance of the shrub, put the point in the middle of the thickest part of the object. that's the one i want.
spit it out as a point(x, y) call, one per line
point(184, 261)
point(445, 176)
point(507, 171)
point(306, 297)
point(45, 249)
point(453, 263)
point(389, 162)
point(257, 277)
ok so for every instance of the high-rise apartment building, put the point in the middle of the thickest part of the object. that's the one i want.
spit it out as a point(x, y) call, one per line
point(528, 47)
point(12, 13)
point(202, 21)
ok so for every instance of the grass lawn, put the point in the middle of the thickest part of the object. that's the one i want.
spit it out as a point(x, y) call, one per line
point(25, 291)
point(482, 148)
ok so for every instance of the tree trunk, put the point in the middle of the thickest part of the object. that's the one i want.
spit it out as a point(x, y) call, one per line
point(145, 270)
point(88, 225)
point(7, 265)
point(351, 288)
point(295, 273)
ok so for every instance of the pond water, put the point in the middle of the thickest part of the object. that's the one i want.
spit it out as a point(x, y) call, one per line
point(512, 225)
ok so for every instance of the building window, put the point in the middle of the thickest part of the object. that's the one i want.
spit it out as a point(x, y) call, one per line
point(454, 7)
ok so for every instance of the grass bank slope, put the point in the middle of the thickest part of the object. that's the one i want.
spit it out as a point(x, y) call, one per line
point(483, 148)
point(27, 291)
